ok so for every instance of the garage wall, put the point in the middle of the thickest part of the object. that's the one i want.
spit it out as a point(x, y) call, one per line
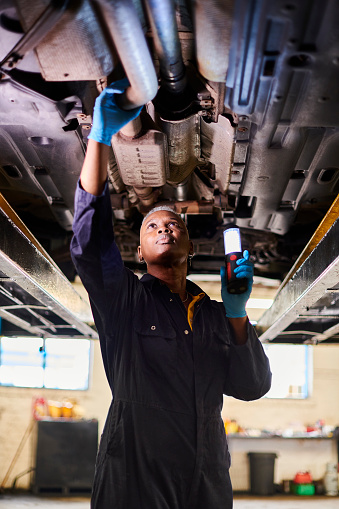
point(276, 414)
point(15, 408)
point(16, 412)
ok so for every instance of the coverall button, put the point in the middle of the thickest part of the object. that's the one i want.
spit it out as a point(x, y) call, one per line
point(186, 331)
point(171, 300)
point(153, 327)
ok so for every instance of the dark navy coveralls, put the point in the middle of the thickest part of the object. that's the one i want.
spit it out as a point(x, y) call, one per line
point(164, 444)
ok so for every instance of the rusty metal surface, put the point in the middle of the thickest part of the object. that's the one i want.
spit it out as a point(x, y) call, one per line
point(142, 161)
point(34, 293)
point(183, 146)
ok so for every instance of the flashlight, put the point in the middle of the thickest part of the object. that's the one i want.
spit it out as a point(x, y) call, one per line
point(233, 252)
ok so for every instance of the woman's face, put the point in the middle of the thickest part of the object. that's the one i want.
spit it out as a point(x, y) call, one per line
point(164, 239)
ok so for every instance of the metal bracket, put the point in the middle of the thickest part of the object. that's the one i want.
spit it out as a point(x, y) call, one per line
point(85, 121)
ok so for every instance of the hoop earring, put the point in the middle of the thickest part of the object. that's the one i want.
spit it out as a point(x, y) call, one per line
point(189, 259)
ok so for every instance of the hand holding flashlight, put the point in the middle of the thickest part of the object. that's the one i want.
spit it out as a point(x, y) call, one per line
point(235, 303)
point(233, 253)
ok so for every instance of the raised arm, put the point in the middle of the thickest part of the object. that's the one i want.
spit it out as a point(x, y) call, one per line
point(94, 252)
point(249, 375)
point(108, 119)
point(94, 171)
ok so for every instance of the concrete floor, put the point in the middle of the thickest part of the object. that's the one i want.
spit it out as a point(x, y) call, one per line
point(286, 502)
point(8, 501)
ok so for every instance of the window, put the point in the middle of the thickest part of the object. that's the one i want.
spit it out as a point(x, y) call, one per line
point(50, 363)
point(292, 369)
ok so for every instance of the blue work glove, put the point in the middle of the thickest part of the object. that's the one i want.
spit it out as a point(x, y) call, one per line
point(108, 118)
point(235, 303)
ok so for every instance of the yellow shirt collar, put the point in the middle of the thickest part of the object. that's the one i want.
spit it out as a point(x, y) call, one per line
point(190, 311)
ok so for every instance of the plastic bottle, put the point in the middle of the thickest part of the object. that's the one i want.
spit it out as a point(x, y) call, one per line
point(331, 480)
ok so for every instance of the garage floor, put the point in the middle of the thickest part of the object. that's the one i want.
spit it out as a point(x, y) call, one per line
point(276, 502)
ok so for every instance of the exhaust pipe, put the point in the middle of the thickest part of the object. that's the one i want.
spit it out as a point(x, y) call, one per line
point(167, 44)
point(126, 31)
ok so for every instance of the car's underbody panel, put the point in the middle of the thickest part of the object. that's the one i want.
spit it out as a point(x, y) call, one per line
point(241, 122)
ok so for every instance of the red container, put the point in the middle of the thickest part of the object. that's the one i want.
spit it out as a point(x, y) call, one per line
point(302, 478)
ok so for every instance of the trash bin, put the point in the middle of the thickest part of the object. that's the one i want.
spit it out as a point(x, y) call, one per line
point(262, 472)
